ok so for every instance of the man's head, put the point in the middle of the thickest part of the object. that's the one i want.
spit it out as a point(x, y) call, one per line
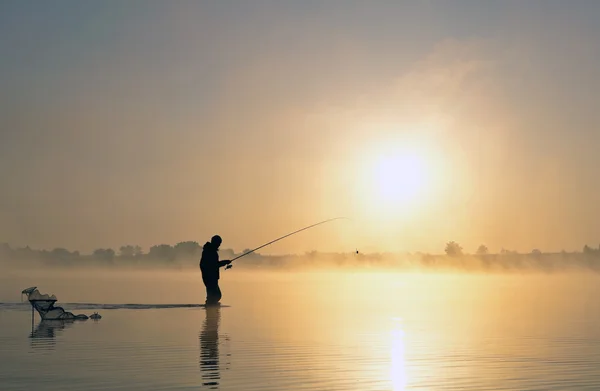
point(216, 241)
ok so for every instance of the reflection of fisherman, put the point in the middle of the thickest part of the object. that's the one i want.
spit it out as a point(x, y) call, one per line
point(210, 265)
point(209, 348)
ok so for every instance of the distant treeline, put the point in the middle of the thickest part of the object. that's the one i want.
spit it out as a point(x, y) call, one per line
point(128, 254)
point(187, 254)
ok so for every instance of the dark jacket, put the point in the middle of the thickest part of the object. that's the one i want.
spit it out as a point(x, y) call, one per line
point(209, 263)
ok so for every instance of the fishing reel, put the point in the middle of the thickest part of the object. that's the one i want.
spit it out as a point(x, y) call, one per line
point(228, 266)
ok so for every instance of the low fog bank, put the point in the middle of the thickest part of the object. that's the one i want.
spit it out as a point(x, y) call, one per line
point(186, 255)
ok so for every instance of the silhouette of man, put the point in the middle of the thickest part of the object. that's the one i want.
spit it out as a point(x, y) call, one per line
point(209, 266)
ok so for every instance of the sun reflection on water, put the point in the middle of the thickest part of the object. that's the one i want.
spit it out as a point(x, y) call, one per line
point(398, 360)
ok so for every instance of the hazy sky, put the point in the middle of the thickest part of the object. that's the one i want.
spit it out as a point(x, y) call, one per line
point(148, 122)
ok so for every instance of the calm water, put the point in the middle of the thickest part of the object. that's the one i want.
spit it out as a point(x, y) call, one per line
point(306, 331)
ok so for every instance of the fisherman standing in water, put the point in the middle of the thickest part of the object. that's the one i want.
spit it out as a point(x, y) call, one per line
point(209, 266)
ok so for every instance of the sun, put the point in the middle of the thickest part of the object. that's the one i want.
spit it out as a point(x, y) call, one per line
point(398, 178)
point(396, 184)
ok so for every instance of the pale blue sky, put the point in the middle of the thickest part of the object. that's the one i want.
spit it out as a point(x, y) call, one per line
point(114, 116)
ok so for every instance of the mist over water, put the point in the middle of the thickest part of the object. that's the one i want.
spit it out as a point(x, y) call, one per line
point(337, 329)
point(174, 258)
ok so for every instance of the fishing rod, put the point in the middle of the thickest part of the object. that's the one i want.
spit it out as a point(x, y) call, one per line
point(283, 237)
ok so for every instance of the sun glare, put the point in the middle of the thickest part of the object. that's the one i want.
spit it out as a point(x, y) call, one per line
point(398, 178)
point(396, 184)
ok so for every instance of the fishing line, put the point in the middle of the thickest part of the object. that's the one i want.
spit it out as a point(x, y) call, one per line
point(285, 236)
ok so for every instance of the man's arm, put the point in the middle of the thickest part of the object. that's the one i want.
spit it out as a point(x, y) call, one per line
point(224, 263)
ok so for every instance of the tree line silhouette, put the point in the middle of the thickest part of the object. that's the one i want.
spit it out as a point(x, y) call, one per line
point(132, 253)
point(187, 253)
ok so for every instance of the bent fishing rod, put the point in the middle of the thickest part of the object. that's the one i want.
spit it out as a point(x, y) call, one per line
point(283, 237)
